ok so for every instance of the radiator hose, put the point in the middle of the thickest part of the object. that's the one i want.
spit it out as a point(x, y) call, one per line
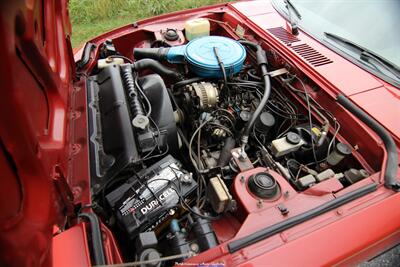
point(129, 84)
point(159, 54)
point(156, 67)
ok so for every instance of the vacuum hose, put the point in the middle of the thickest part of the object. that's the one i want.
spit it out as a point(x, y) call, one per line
point(261, 58)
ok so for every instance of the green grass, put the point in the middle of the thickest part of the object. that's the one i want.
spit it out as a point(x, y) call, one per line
point(92, 17)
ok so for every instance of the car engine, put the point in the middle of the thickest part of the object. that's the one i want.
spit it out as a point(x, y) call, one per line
point(186, 135)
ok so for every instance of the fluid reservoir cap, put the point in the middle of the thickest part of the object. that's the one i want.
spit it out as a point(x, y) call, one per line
point(245, 115)
point(150, 255)
point(140, 121)
point(265, 122)
point(171, 35)
point(293, 138)
point(343, 149)
point(263, 185)
point(200, 54)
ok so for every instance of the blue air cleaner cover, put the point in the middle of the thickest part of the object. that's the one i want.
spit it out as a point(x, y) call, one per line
point(199, 54)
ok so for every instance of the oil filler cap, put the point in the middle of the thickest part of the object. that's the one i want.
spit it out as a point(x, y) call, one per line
point(263, 185)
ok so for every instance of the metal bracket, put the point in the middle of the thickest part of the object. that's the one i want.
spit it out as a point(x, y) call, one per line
point(278, 72)
point(241, 159)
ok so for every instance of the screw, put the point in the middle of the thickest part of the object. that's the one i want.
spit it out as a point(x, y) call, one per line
point(286, 194)
point(259, 203)
point(194, 247)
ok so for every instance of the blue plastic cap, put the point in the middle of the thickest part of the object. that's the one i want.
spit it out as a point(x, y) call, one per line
point(174, 226)
point(199, 54)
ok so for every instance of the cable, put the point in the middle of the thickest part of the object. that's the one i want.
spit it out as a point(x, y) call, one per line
point(200, 185)
point(221, 65)
point(311, 124)
point(191, 142)
point(120, 56)
point(144, 97)
point(178, 191)
point(186, 82)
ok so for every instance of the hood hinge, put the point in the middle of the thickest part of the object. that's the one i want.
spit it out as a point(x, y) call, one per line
point(64, 191)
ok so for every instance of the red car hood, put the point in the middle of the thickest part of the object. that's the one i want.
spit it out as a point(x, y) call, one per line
point(36, 80)
point(36, 72)
point(377, 98)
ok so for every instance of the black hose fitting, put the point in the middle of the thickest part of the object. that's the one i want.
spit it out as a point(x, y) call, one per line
point(159, 54)
point(225, 154)
point(156, 67)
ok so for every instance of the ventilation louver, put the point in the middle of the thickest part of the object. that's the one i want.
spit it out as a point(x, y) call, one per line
point(311, 55)
point(283, 35)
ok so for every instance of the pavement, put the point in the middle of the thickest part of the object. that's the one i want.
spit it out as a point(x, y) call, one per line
point(388, 259)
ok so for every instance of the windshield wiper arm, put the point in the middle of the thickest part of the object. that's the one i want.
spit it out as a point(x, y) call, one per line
point(366, 55)
point(289, 6)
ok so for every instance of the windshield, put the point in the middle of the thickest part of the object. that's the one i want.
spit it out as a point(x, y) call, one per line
point(372, 24)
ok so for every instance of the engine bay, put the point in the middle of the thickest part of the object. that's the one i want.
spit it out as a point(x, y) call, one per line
point(188, 138)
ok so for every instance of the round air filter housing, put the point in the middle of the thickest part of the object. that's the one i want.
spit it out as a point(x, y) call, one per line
point(202, 59)
point(201, 55)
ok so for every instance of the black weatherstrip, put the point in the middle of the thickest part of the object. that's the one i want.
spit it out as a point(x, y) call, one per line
point(295, 220)
point(97, 240)
point(390, 145)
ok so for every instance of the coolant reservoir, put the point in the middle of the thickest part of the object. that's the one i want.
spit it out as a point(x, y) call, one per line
point(105, 62)
point(195, 28)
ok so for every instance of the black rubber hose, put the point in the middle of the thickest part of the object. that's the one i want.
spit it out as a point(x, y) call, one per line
point(153, 53)
point(262, 63)
point(261, 57)
point(132, 92)
point(225, 154)
point(85, 58)
point(300, 218)
point(97, 240)
point(188, 81)
point(156, 67)
point(390, 145)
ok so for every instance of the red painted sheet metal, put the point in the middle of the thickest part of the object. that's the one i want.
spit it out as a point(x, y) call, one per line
point(384, 104)
point(70, 248)
point(350, 234)
point(341, 74)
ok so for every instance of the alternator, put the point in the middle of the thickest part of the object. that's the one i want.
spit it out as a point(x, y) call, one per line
point(207, 94)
